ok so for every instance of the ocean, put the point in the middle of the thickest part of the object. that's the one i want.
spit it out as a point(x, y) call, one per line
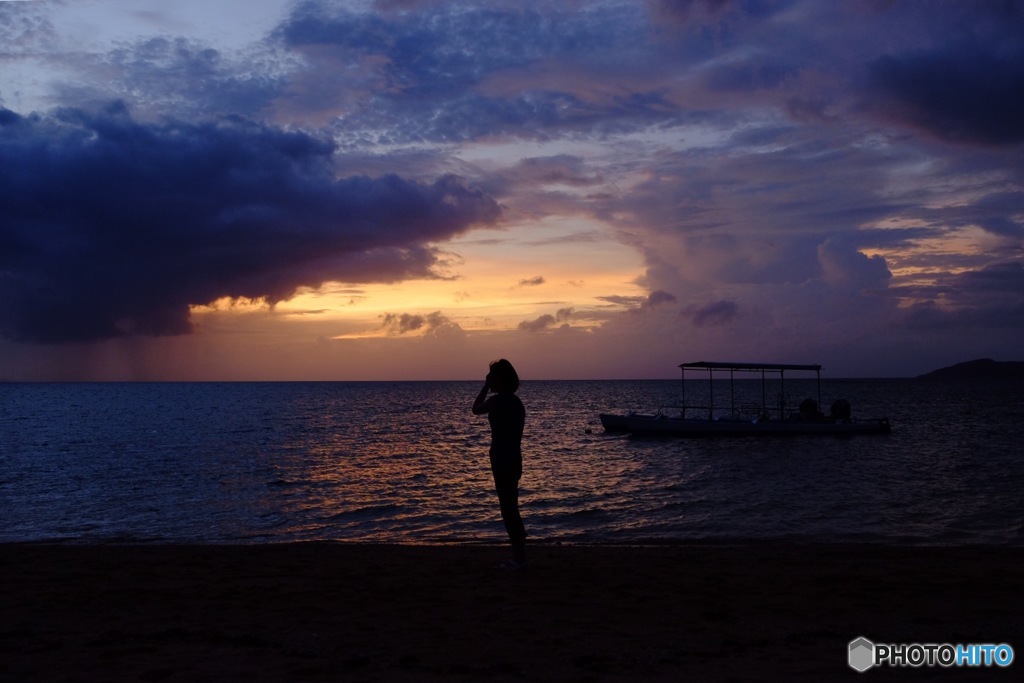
point(406, 462)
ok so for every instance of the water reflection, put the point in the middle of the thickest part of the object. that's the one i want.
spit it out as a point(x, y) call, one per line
point(407, 462)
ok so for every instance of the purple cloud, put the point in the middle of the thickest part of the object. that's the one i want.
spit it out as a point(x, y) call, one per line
point(111, 227)
point(717, 313)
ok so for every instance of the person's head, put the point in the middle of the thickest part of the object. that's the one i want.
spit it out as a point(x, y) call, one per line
point(503, 377)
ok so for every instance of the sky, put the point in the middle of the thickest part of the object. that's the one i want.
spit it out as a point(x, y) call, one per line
point(410, 189)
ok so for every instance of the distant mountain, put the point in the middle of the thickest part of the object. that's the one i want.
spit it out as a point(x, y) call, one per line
point(981, 369)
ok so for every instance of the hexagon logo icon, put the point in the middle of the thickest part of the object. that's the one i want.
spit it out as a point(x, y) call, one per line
point(862, 654)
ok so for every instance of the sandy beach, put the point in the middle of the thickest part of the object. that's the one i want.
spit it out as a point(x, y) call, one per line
point(339, 612)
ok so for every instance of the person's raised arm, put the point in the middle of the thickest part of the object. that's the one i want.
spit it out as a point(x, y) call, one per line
point(480, 404)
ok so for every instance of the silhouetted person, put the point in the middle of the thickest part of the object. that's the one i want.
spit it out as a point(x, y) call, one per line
point(507, 416)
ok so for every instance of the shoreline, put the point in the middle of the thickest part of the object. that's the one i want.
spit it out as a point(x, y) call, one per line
point(494, 540)
point(322, 611)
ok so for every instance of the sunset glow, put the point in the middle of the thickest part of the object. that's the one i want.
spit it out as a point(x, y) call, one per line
point(407, 190)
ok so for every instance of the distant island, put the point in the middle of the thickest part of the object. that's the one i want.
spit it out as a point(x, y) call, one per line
point(980, 369)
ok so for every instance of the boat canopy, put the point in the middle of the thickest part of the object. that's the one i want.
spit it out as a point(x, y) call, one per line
point(731, 368)
point(751, 367)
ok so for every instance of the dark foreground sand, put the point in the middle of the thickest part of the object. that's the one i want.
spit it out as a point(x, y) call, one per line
point(335, 612)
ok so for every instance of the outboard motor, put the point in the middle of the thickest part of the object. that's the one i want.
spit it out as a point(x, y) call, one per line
point(841, 409)
point(809, 409)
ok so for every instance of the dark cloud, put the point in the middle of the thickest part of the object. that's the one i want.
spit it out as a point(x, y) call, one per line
point(989, 295)
point(431, 323)
point(845, 268)
point(717, 313)
point(952, 95)
point(999, 213)
point(656, 298)
point(659, 297)
point(535, 281)
point(638, 304)
point(536, 325)
point(543, 322)
point(619, 300)
point(970, 87)
point(999, 277)
point(111, 227)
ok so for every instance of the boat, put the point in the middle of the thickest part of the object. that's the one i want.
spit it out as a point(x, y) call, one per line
point(746, 418)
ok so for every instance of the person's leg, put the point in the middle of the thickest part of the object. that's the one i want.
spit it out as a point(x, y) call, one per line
point(507, 486)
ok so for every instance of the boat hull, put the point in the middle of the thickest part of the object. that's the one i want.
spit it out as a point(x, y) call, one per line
point(673, 426)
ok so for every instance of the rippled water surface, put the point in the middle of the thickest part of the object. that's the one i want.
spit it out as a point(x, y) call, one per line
point(406, 462)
